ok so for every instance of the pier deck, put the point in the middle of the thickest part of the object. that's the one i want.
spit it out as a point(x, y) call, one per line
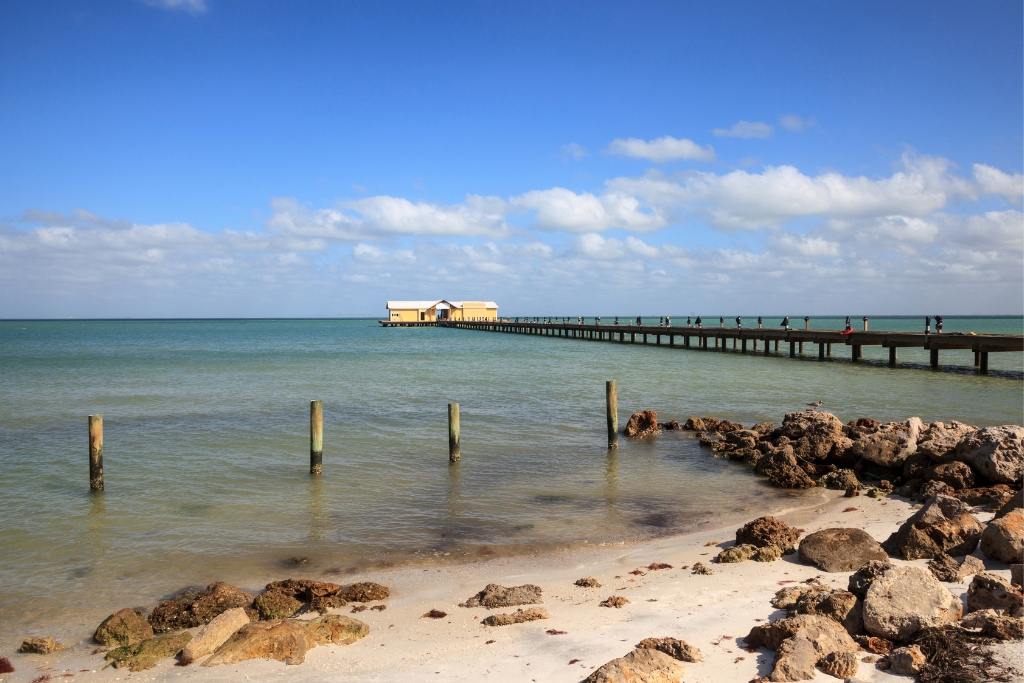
point(748, 339)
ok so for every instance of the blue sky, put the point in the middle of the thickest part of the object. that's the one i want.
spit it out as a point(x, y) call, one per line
point(216, 158)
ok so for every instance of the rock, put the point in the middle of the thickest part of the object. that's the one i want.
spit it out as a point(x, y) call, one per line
point(991, 591)
point(930, 489)
point(800, 643)
point(1016, 574)
point(769, 553)
point(840, 606)
point(970, 565)
point(995, 624)
point(958, 475)
point(701, 424)
point(195, 608)
point(126, 627)
point(671, 425)
point(788, 477)
point(642, 665)
point(701, 568)
point(211, 636)
point(642, 424)
point(840, 550)
point(766, 531)
point(996, 453)
point(879, 646)
point(39, 646)
point(944, 568)
point(274, 605)
point(5, 666)
point(944, 524)
point(520, 616)
point(494, 595)
point(1016, 501)
point(674, 648)
point(916, 466)
point(335, 629)
point(938, 442)
point(839, 480)
point(861, 579)
point(911, 488)
point(903, 600)
point(890, 445)
point(1003, 538)
point(364, 591)
point(763, 428)
point(987, 497)
point(839, 664)
point(907, 661)
point(782, 457)
point(286, 640)
point(589, 582)
point(146, 654)
point(616, 601)
point(737, 553)
point(786, 598)
point(303, 590)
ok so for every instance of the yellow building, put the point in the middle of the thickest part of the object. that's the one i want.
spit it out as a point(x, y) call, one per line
point(430, 311)
point(414, 311)
point(472, 310)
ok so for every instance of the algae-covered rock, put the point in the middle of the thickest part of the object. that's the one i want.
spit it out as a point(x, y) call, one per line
point(40, 646)
point(274, 605)
point(192, 607)
point(146, 654)
point(494, 595)
point(126, 627)
point(737, 553)
point(518, 617)
point(674, 648)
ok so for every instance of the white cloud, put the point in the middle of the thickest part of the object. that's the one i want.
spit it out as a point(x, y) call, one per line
point(562, 209)
point(662, 149)
point(795, 124)
point(746, 129)
point(992, 181)
point(191, 6)
point(574, 151)
point(477, 217)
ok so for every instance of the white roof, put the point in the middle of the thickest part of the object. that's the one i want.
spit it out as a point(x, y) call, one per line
point(461, 304)
point(406, 305)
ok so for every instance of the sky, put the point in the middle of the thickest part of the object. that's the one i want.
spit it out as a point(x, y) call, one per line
point(244, 158)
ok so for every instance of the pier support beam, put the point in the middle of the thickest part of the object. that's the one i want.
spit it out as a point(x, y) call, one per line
point(892, 356)
point(611, 400)
point(984, 362)
point(828, 348)
point(856, 353)
point(454, 452)
point(95, 452)
point(801, 348)
point(821, 350)
point(776, 346)
point(316, 437)
point(744, 348)
point(934, 358)
point(792, 349)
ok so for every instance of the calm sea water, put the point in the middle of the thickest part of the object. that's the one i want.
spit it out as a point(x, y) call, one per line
point(206, 447)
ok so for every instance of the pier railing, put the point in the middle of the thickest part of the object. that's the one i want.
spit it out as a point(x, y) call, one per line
point(746, 340)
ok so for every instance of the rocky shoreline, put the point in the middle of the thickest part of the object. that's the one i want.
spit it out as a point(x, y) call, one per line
point(896, 611)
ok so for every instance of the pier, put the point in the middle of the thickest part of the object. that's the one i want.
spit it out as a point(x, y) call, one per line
point(758, 339)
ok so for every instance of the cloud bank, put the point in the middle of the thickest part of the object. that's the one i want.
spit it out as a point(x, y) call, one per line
point(924, 237)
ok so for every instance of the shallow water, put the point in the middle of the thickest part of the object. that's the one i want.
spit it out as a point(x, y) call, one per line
point(206, 447)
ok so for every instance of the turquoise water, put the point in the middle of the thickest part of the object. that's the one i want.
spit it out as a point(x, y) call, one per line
point(206, 447)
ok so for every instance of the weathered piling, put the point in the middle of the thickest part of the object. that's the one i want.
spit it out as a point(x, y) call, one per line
point(96, 452)
point(612, 412)
point(453, 433)
point(316, 437)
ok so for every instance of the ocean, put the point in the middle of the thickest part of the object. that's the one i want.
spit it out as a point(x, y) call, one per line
point(206, 447)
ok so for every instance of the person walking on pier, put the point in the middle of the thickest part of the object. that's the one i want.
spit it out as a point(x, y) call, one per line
point(739, 322)
point(785, 323)
point(699, 322)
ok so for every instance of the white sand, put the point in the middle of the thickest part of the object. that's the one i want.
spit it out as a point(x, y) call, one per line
point(709, 612)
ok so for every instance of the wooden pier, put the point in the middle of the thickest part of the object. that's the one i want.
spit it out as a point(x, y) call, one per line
point(760, 340)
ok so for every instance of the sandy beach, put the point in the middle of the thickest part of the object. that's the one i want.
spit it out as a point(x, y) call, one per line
point(708, 612)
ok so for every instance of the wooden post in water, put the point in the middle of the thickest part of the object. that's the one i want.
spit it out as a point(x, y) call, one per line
point(892, 356)
point(95, 452)
point(453, 433)
point(316, 437)
point(611, 400)
point(935, 358)
point(983, 368)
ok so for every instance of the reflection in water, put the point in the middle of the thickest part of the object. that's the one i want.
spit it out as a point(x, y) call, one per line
point(611, 488)
point(453, 496)
point(318, 517)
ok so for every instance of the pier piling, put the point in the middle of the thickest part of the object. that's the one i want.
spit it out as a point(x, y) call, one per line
point(453, 433)
point(316, 437)
point(96, 452)
point(892, 356)
point(612, 412)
